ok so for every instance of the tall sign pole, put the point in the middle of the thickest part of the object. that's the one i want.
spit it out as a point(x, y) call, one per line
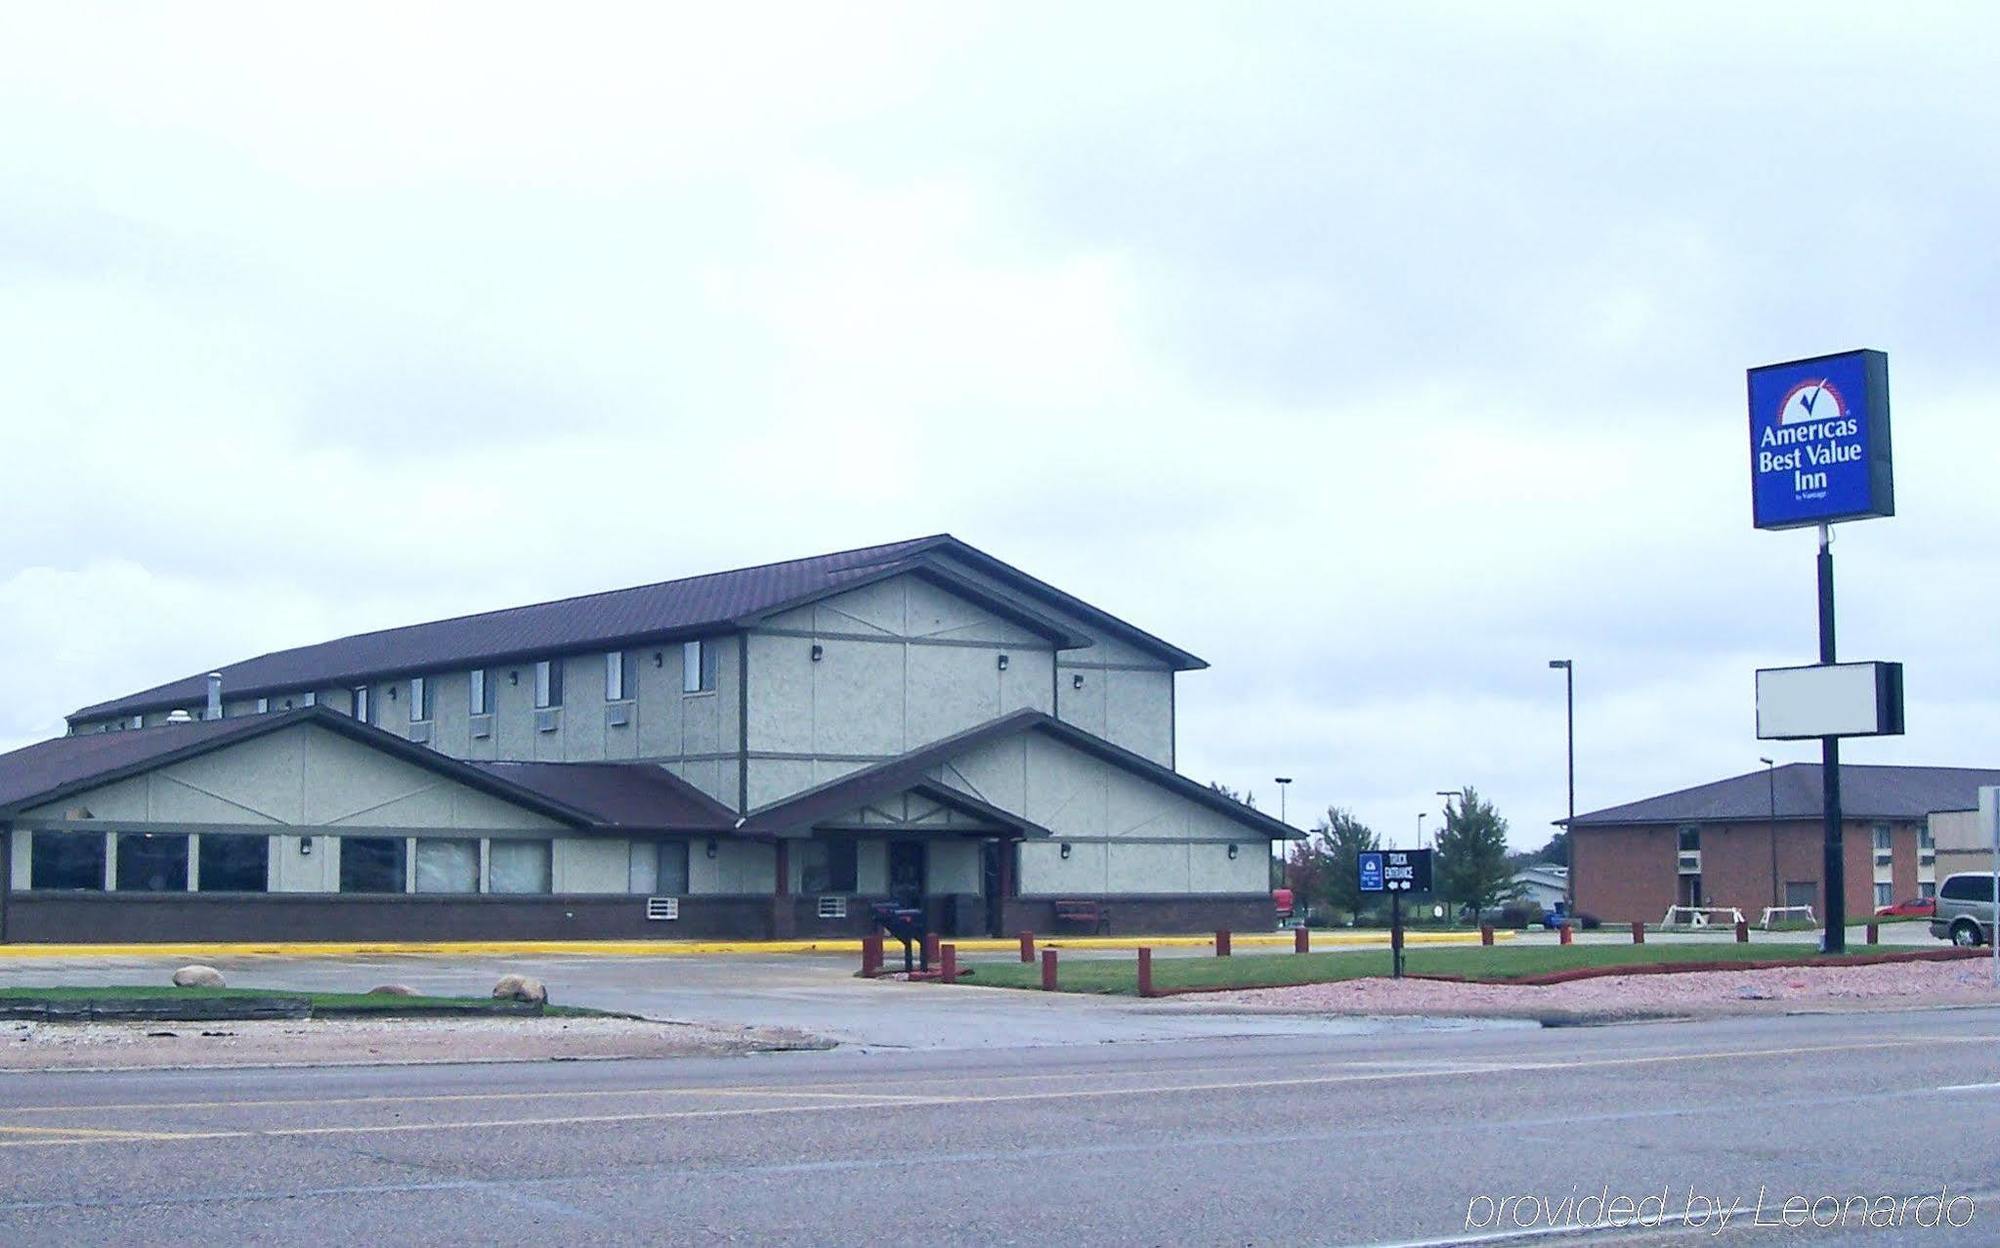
point(1819, 455)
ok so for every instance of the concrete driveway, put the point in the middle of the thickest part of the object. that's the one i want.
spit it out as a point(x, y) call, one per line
point(810, 992)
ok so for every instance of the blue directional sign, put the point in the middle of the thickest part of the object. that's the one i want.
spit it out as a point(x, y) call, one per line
point(1819, 441)
point(1371, 872)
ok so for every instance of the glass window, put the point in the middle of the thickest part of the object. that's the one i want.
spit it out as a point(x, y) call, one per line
point(72, 860)
point(548, 684)
point(420, 699)
point(447, 866)
point(519, 866)
point(263, 705)
point(371, 864)
point(138, 721)
point(659, 868)
point(614, 676)
point(1690, 839)
point(697, 667)
point(1957, 888)
point(234, 864)
point(827, 867)
point(477, 688)
point(1882, 841)
point(360, 704)
point(1884, 894)
point(152, 862)
point(1924, 840)
point(309, 698)
point(1927, 890)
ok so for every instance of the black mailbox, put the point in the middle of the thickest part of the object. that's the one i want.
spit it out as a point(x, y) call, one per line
point(904, 923)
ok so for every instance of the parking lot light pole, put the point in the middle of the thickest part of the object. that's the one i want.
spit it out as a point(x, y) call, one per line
point(1284, 784)
point(1420, 827)
point(1568, 667)
point(1771, 771)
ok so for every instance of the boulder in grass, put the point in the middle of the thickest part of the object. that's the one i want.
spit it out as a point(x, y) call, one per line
point(520, 988)
point(392, 990)
point(198, 977)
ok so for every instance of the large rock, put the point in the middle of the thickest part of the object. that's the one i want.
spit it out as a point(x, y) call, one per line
point(198, 977)
point(392, 990)
point(520, 988)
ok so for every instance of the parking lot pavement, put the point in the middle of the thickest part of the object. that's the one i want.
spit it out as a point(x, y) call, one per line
point(809, 992)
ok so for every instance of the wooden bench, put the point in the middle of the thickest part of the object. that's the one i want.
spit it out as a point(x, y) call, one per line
point(1091, 916)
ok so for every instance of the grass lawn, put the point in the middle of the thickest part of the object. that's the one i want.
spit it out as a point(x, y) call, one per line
point(1499, 963)
point(321, 1002)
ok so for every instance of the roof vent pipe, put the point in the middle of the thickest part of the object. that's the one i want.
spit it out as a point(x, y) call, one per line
point(214, 696)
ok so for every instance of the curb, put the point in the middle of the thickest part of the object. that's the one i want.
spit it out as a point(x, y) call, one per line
point(668, 949)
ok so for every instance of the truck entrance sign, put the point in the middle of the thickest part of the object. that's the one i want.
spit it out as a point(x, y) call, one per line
point(1819, 441)
point(1396, 871)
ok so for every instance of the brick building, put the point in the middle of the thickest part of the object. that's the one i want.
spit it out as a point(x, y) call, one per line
point(1754, 840)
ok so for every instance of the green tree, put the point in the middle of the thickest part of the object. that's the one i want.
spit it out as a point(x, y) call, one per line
point(1338, 841)
point(1471, 867)
point(1556, 852)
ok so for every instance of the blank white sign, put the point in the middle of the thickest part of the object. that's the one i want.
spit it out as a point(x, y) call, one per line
point(1831, 700)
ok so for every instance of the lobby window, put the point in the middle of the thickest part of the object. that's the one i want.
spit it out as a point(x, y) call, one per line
point(371, 864)
point(518, 866)
point(477, 700)
point(234, 864)
point(614, 677)
point(548, 684)
point(360, 705)
point(697, 667)
point(420, 700)
point(827, 867)
point(447, 866)
point(151, 862)
point(659, 868)
point(67, 860)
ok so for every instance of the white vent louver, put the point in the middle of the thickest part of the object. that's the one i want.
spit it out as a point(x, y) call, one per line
point(661, 909)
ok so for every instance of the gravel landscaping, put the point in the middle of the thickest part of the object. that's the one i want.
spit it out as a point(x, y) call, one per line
point(26, 1046)
point(1613, 997)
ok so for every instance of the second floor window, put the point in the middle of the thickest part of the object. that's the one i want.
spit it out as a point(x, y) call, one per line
point(420, 699)
point(1882, 838)
point(1690, 840)
point(548, 684)
point(697, 667)
point(361, 707)
point(478, 701)
point(614, 677)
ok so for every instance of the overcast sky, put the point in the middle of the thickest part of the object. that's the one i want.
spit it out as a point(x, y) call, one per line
point(1377, 354)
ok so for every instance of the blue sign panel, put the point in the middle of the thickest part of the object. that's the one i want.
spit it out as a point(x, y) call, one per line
point(1371, 872)
point(1819, 441)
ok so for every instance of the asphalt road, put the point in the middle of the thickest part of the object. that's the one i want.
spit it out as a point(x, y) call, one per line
point(1354, 1139)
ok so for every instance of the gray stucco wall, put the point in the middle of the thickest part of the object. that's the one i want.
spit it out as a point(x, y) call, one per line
point(902, 663)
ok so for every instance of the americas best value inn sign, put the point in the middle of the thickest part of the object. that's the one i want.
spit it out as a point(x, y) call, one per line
point(1819, 441)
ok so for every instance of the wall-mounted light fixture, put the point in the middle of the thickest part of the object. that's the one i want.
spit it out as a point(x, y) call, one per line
point(1065, 849)
point(514, 677)
point(305, 844)
point(819, 652)
point(710, 851)
point(392, 693)
point(1232, 850)
point(1003, 662)
point(659, 659)
point(1076, 681)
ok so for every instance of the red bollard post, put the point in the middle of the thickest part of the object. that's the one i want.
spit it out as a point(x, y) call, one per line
point(1486, 934)
point(1565, 933)
point(1048, 970)
point(1145, 971)
point(930, 950)
point(1301, 940)
point(871, 955)
point(1638, 932)
point(1874, 933)
point(1222, 944)
point(1742, 931)
point(1027, 946)
point(948, 964)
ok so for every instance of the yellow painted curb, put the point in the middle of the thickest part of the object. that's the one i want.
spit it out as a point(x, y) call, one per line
point(681, 948)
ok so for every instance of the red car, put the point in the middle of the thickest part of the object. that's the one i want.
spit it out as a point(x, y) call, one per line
point(1916, 907)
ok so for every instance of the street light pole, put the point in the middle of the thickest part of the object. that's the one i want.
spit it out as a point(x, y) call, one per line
point(1771, 771)
point(1420, 827)
point(1284, 784)
point(1568, 667)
